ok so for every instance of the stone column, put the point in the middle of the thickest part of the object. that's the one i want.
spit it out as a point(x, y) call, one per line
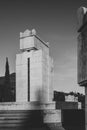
point(85, 107)
point(82, 53)
point(33, 69)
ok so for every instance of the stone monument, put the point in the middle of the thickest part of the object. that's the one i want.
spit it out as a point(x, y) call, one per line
point(34, 93)
point(82, 53)
point(34, 69)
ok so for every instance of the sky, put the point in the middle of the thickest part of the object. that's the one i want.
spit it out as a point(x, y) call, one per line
point(55, 22)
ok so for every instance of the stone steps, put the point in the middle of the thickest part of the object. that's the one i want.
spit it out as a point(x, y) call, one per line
point(15, 119)
point(29, 119)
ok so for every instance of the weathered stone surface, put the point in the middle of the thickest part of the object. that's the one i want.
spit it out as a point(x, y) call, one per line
point(27, 106)
point(81, 16)
point(52, 116)
point(33, 79)
point(82, 58)
point(26, 119)
point(29, 40)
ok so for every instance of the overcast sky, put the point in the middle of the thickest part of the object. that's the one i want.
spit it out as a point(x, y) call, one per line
point(56, 22)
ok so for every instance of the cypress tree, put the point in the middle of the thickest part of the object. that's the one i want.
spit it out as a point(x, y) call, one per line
point(7, 75)
point(7, 86)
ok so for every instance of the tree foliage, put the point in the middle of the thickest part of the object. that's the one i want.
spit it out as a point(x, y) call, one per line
point(7, 94)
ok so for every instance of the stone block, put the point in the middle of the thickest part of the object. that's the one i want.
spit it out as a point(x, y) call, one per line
point(32, 42)
point(52, 116)
point(27, 42)
point(27, 106)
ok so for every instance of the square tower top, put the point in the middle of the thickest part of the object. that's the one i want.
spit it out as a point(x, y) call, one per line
point(30, 41)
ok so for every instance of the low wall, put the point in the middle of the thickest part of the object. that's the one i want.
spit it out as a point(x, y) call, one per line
point(19, 116)
point(66, 105)
point(12, 115)
point(26, 106)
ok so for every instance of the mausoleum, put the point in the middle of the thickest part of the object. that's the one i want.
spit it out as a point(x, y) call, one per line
point(34, 69)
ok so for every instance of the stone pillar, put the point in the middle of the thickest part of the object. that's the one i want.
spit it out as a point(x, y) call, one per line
point(34, 69)
point(82, 53)
point(85, 108)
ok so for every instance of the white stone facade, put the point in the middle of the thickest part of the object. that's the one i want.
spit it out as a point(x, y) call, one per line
point(34, 70)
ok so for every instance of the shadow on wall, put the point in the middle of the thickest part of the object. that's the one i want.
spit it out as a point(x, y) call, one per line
point(34, 118)
point(35, 121)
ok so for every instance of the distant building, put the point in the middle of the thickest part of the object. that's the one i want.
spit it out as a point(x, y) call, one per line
point(71, 98)
point(66, 101)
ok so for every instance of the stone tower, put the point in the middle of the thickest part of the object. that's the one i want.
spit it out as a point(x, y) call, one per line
point(34, 69)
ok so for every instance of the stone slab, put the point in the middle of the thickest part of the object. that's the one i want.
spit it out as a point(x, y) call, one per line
point(52, 116)
point(27, 42)
point(27, 106)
